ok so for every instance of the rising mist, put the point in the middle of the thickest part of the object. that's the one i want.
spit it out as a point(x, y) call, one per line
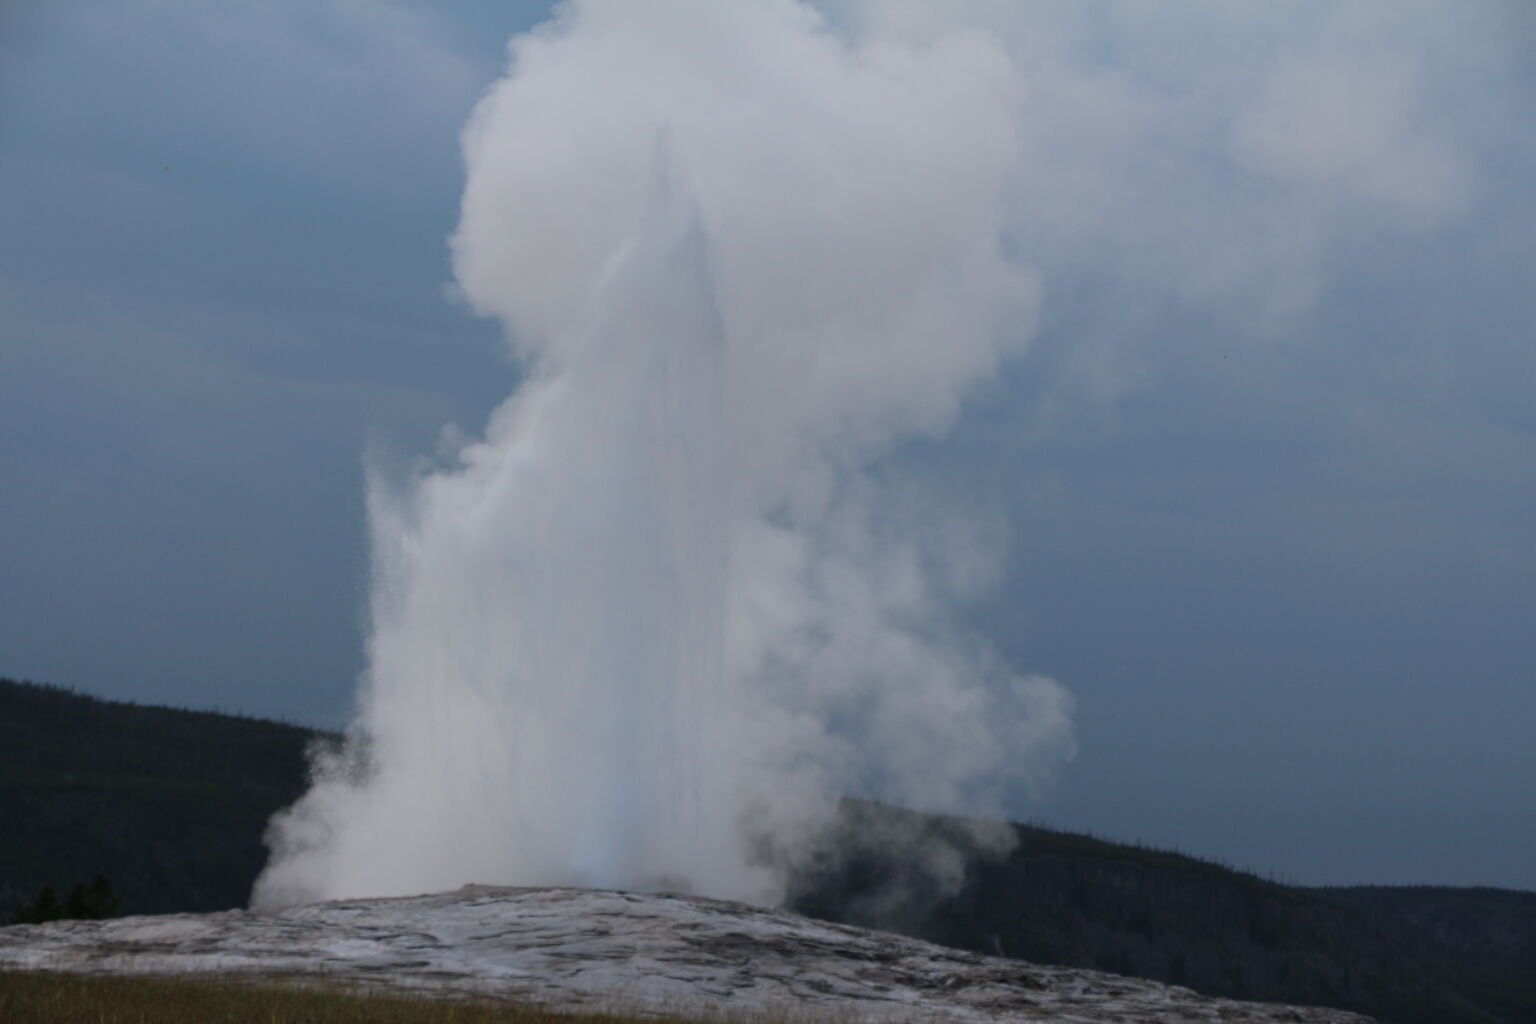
point(647, 630)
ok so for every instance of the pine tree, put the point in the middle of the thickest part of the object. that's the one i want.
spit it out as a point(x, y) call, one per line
point(44, 908)
point(85, 902)
point(99, 898)
point(75, 908)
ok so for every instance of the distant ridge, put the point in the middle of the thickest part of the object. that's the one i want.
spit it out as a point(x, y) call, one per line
point(171, 805)
point(1407, 955)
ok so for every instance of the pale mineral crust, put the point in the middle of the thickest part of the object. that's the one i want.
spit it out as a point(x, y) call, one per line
point(592, 949)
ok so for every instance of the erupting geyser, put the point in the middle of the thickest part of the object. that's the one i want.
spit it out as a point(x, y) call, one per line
point(645, 631)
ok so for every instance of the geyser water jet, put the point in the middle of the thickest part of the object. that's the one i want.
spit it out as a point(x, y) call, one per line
point(647, 630)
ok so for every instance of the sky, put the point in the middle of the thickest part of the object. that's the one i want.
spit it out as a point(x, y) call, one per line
point(1265, 469)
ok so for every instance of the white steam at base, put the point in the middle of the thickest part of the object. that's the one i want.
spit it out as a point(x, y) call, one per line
point(646, 631)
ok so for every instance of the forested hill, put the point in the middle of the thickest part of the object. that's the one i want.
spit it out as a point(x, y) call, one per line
point(171, 805)
point(1405, 955)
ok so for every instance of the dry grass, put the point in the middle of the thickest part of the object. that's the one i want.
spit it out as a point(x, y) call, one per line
point(41, 997)
point(47, 997)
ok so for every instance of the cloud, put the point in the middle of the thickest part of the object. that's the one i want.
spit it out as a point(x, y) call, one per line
point(1346, 124)
point(1214, 156)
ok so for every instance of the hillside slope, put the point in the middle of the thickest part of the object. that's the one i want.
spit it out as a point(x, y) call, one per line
point(171, 805)
point(1072, 899)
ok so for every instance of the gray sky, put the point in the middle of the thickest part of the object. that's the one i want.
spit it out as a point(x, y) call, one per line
point(1268, 470)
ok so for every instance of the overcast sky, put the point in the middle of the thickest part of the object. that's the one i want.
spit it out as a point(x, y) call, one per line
point(1267, 471)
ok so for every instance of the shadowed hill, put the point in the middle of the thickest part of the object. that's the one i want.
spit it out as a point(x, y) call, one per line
point(1404, 955)
point(172, 804)
point(169, 804)
point(1484, 927)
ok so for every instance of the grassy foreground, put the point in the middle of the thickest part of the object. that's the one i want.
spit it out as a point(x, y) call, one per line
point(42, 997)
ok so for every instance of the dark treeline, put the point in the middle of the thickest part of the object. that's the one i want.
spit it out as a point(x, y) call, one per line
point(92, 901)
point(1406, 955)
point(171, 805)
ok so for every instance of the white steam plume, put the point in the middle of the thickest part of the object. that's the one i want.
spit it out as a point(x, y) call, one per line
point(647, 630)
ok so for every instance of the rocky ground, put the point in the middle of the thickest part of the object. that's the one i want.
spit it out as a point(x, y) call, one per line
point(589, 949)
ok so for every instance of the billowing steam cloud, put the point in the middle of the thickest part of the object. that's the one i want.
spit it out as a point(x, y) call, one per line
point(649, 628)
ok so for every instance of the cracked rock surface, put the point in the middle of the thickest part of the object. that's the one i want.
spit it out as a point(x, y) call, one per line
point(593, 949)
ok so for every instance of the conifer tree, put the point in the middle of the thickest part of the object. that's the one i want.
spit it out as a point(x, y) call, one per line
point(85, 902)
point(44, 908)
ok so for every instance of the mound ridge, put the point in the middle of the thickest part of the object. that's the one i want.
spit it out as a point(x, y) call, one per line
point(584, 949)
